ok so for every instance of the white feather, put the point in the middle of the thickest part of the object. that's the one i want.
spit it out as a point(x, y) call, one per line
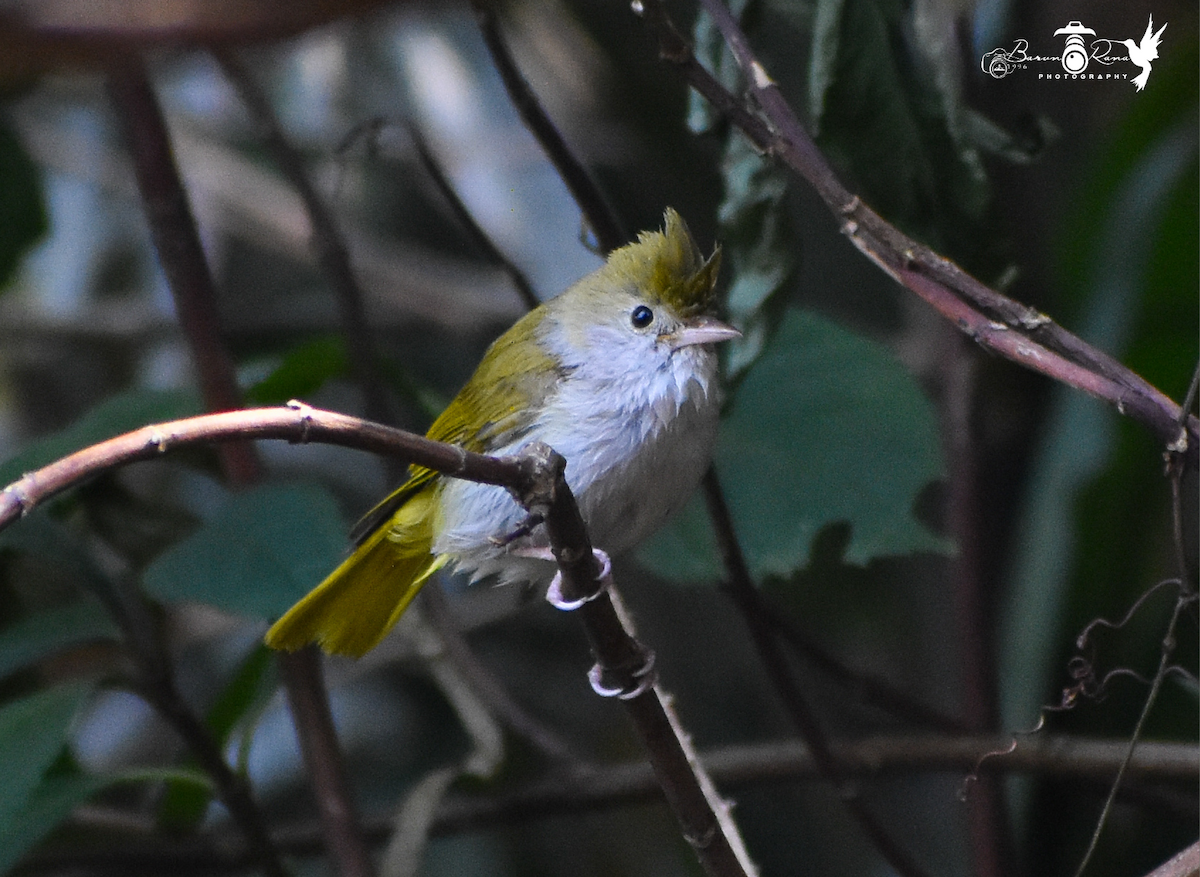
point(636, 421)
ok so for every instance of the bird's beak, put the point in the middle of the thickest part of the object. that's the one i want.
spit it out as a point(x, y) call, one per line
point(701, 330)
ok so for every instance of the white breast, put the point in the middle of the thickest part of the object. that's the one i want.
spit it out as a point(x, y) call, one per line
point(636, 442)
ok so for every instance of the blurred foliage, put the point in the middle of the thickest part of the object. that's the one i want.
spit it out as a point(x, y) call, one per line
point(831, 452)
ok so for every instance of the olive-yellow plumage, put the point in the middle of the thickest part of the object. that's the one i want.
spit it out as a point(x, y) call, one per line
point(617, 374)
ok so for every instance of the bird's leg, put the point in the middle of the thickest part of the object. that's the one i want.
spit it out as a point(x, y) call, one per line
point(527, 526)
point(554, 595)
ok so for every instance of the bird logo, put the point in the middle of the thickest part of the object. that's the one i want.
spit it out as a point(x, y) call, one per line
point(1144, 53)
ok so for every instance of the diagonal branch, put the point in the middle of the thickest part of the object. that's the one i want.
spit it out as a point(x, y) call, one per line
point(1000, 324)
point(537, 477)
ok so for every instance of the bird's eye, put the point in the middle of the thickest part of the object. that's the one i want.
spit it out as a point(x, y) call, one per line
point(641, 317)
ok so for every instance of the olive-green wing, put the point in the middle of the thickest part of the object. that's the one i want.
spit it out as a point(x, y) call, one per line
point(496, 407)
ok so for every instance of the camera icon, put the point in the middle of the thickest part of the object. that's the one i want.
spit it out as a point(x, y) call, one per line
point(1075, 55)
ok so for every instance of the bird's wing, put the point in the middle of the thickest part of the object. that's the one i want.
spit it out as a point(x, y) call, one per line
point(495, 408)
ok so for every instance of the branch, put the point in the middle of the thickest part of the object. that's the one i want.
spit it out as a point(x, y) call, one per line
point(327, 242)
point(595, 209)
point(182, 257)
point(1007, 327)
point(178, 244)
point(630, 783)
point(740, 587)
point(537, 478)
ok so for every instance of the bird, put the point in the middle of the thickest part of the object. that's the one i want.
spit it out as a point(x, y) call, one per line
point(619, 374)
point(1142, 55)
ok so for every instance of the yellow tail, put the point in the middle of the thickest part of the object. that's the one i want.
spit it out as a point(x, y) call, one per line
point(360, 601)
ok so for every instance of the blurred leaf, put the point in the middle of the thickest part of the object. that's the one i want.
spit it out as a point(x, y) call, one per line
point(22, 211)
point(119, 414)
point(1090, 472)
point(303, 371)
point(827, 426)
point(262, 551)
point(710, 50)
point(60, 792)
point(47, 805)
point(760, 245)
point(44, 633)
point(186, 802)
point(33, 732)
point(886, 101)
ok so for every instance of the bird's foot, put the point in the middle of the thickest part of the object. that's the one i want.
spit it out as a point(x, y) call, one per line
point(604, 578)
point(527, 526)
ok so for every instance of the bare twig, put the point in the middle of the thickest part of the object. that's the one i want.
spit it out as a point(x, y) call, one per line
point(1007, 327)
point(625, 669)
point(327, 241)
point(735, 767)
point(537, 477)
point(1168, 648)
point(182, 257)
point(478, 235)
point(489, 689)
point(309, 704)
point(740, 587)
point(595, 209)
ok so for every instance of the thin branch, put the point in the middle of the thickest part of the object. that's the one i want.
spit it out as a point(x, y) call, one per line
point(327, 242)
point(492, 692)
point(537, 477)
point(179, 250)
point(309, 703)
point(625, 669)
point(1014, 330)
point(617, 785)
point(740, 587)
point(595, 208)
point(1168, 648)
point(173, 229)
point(478, 235)
point(296, 423)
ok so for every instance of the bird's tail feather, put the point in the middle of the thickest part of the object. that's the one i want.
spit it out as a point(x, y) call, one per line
point(361, 600)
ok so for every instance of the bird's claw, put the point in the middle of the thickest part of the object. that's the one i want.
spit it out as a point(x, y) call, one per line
point(554, 594)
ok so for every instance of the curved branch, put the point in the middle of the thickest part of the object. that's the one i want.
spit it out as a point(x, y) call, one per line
point(1000, 324)
point(537, 478)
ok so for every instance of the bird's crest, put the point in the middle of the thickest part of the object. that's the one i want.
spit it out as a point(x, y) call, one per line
point(669, 265)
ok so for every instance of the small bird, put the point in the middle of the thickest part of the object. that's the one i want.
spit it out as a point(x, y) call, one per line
point(618, 374)
point(1145, 53)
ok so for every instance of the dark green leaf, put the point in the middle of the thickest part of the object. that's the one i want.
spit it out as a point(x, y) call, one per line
point(827, 426)
point(22, 211)
point(46, 807)
point(33, 731)
point(760, 247)
point(119, 414)
point(262, 551)
point(43, 633)
point(302, 372)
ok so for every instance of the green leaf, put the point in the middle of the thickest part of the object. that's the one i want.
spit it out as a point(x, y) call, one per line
point(710, 49)
point(22, 210)
point(119, 414)
point(759, 244)
point(262, 551)
point(43, 633)
point(185, 802)
point(33, 732)
point(51, 802)
point(827, 426)
point(302, 372)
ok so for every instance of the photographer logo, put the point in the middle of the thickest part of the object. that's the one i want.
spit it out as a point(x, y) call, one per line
point(1081, 50)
